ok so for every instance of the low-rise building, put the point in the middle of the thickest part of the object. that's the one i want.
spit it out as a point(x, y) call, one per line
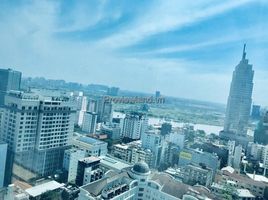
point(123, 152)
point(16, 191)
point(91, 146)
point(133, 153)
point(258, 188)
point(70, 162)
point(88, 170)
point(40, 191)
point(192, 174)
point(229, 190)
point(113, 130)
point(196, 156)
point(111, 163)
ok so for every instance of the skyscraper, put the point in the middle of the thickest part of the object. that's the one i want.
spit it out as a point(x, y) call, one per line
point(37, 130)
point(9, 80)
point(239, 101)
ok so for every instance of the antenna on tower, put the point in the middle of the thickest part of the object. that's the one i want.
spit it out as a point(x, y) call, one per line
point(244, 52)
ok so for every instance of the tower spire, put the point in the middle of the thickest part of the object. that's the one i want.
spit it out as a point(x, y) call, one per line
point(244, 52)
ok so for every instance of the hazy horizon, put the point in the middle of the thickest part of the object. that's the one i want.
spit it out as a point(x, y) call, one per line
point(188, 52)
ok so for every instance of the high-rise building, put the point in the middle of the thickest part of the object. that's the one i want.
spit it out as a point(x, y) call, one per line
point(256, 111)
point(89, 122)
point(135, 124)
point(3, 153)
point(157, 94)
point(237, 157)
point(81, 103)
point(231, 150)
point(239, 100)
point(153, 140)
point(261, 133)
point(265, 159)
point(9, 80)
point(113, 91)
point(37, 130)
point(104, 110)
point(92, 105)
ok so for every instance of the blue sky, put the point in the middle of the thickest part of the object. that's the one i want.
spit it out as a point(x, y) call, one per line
point(182, 48)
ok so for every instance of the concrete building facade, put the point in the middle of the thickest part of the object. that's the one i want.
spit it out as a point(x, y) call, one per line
point(37, 130)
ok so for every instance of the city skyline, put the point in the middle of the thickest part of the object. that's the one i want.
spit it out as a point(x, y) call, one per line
point(102, 41)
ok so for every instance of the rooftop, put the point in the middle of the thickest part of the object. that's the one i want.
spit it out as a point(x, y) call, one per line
point(122, 146)
point(90, 159)
point(40, 189)
point(141, 168)
point(244, 193)
point(229, 169)
point(258, 178)
point(168, 185)
point(113, 163)
point(177, 189)
point(89, 140)
point(242, 178)
point(95, 188)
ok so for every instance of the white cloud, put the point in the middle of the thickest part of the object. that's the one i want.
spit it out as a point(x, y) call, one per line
point(168, 15)
point(26, 36)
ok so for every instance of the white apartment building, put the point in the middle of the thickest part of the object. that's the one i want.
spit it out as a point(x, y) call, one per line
point(81, 103)
point(153, 141)
point(37, 129)
point(135, 125)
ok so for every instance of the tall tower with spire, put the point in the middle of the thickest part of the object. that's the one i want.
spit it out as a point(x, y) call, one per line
point(240, 98)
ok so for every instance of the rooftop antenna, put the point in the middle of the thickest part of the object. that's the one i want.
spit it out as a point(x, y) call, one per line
point(244, 52)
